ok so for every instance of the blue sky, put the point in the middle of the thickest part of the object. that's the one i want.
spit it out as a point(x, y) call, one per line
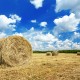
point(46, 24)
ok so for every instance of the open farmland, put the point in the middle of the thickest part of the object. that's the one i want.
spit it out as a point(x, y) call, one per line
point(42, 67)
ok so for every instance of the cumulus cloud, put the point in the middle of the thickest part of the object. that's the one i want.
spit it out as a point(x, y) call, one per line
point(45, 37)
point(76, 35)
point(33, 21)
point(8, 23)
point(43, 24)
point(2, 35)
point(18, 34)
point(37, 3)
point(74, 6)
point(76, 46)
point(15, 17)
point(42, 41)
point(66, 24)
point(66, 44)
point(38, 39)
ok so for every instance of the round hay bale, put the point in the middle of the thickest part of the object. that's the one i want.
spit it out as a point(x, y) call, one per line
point(15, 51)
point(48, 54)
point(78, 53)
point(54, 53)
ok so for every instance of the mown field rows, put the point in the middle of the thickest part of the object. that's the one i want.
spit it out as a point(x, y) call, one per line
point(42, 67)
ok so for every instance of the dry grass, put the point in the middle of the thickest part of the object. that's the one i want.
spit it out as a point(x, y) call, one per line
point(42, 67)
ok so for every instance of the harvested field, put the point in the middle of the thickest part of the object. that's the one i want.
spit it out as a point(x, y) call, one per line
point(42, 67)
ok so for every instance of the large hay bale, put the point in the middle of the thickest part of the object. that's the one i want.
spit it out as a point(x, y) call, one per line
point(1, 45)
point(15, 51)
point(54, 53)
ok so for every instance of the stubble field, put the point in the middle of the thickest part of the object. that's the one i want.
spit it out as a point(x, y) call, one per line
point(42, 67)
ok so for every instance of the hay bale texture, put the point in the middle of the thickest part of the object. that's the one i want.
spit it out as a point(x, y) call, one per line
point(48, 54)
point(78, 53)
point(54, 53)
point(15, 51)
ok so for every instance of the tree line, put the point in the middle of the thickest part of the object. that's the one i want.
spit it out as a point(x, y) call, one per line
point(59, 51)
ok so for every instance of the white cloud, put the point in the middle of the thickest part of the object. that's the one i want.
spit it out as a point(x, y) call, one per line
point(48, 41)
point(8, 23)
point(45, 37)
point(18, 34)
point(76, 45)
point(66, 24)
point(37, 3)
point(2, 34)
point(38, 39)
point(43, 24)
point(66, 44)
point(76, 35)
point(74, 6)
point(50, 47)
point(32, 29)
point(33, 21)
point(15, 17)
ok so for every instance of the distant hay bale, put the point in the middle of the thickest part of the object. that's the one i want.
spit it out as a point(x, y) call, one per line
point(54, 53)
point(48, 54)
point(15, 51)
point(78, 53)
